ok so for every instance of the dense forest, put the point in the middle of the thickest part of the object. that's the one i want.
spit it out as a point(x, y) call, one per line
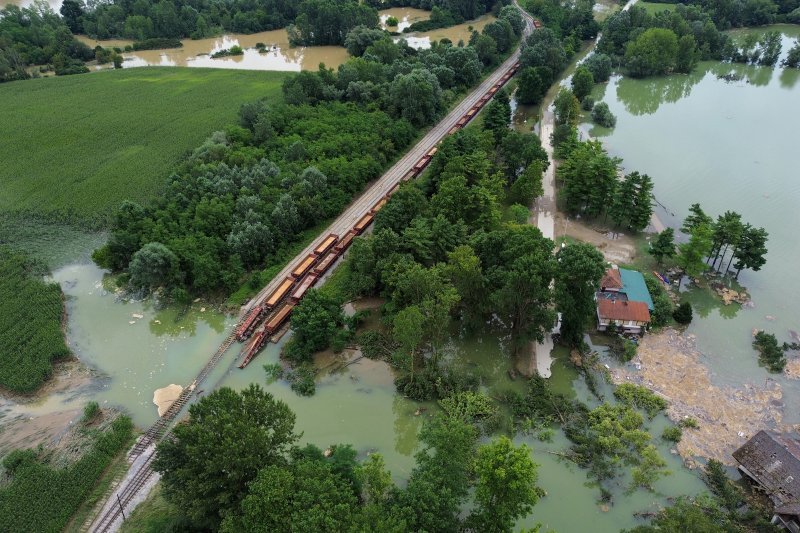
point(30, 323)
point(250, 190)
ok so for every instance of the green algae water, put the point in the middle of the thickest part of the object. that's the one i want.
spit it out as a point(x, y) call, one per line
point(728, 145)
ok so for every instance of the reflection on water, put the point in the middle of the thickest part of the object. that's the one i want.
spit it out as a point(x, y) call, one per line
point(277, 55)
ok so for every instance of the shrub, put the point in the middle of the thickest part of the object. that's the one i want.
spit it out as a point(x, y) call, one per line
point(392, 21)
point(302, 381)
point(662, 305)
point(672, 434)
point(689, 423)
point(771, 354)
point(587, 104)
point(91, 410)
point(602, 115)
point(683, 313)
point(640, 397)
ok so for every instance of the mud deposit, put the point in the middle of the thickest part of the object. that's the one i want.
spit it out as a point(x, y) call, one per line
point(670, 364)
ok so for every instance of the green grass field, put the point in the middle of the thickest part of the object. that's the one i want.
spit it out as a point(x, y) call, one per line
point(72, 148)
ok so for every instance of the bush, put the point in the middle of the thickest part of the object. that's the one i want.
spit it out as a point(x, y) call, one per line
point(155, 44)
point(672, 434)
point(662, 305)
point(302, 380)
point(602, 115)
point(683, 313)
point(587, 104)
point(641, 397)
point(392, 21)
point(91, 410)
point(771, 354)
point(689, 423)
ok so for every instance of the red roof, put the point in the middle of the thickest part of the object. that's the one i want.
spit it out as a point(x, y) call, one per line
point(611, 279)
point(623, 311)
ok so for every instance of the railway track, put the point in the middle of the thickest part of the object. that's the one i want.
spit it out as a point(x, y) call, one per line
point(274, 311)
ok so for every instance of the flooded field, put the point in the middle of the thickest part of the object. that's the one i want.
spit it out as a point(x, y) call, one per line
point(454, 33)
point(406, 16)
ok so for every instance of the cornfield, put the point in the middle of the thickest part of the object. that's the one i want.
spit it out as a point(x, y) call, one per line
point(74, 147)
point(30, 323)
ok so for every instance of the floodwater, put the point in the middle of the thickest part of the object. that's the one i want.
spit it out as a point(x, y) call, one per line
point(729, 145)
point(405, 16)
point(278, 55)
point(55, 4)
point(455, 33)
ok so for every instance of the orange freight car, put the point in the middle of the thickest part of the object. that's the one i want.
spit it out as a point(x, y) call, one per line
point(454, 129)
point(377, 207)
point(345, 242)
point(363, 223)
point(471, 112)
point(255, 346)
point(279, 293)
point(326, 245)
point(422, 163)
point(432, 151)
point(326, 262)
point(462, 121)
point(304, 266)
point(393, 190)
point(280, 317)
point(409, 175)
point(302, 288)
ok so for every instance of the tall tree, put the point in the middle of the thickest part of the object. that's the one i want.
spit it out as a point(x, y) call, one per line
point(207, 465)
point(506, 486)
point(664, 245)
point(582, 82)
point(589, 178)
point(567, 108)
point(580, 267)
point(642, 208)
point(751, 250)
point(497, 116)
point(695, 218)
point(693, 253)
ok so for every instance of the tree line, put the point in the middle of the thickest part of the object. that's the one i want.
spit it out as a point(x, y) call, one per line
point(675, 40)
point(249, 191)
point(261, 479)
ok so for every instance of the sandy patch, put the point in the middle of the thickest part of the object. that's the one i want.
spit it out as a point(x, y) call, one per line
point(669, 364)
point(793, 367)
point(165, 397)
point(616, 247)
point(69, 375)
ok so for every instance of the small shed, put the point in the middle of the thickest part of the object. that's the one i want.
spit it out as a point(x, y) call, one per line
point(772, 461)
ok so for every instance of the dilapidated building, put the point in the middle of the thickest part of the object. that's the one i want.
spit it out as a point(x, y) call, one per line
point(772, 461)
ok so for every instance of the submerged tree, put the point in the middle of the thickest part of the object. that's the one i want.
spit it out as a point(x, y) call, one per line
point(580, 267)
point(664, 245)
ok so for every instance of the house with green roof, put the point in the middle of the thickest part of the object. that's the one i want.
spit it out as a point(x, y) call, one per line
point(624, 300)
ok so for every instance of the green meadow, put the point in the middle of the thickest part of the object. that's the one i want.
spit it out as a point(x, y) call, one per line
point(72, 148)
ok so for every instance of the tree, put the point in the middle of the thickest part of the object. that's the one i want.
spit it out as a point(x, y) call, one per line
point(582, 82)
point(518, 151)
point(600, 67)
point(154, 265)
point(208, 463)
point(497, 116)
point(304, 496)
point(408, 330)
point(589, 178)
point(527, 187)
point(751, 251)
point(532, 84)
point(698, 514)
point(664, 245)
point(696, 217)
point(642, 206)
point(315, 321)
point(693, 253)
point(770, 353)
point(687, 55)
point(72, 11)
point(651, 53)
point(567, 108)
point(506, 486)
point(465, 273)
point(580, 267)
point(416, 96)
point(602, 115)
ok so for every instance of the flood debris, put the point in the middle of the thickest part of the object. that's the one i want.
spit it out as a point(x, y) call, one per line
point(670, 365)
point(730, 296)
point(165, 397)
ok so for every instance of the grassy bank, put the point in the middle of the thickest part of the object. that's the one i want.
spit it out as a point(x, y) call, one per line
point(74, 147)
point(30, 323)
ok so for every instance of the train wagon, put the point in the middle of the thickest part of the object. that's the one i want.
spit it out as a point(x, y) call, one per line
point(393, 190)
point(462, 121)
point(378, 206)
point(485, 98)
point(432, 151)
point(471, 113)
point(255, 346)
point(494, 89)
point(326, 245)
point(346, 241)
point(408, 176)
point(326, 262)
point(454, 129)
point(279, 318)
point(302, 288)
point(304, 266)
point(250, 322)
point(363, 223)
point(421, 164)
point(279, 293)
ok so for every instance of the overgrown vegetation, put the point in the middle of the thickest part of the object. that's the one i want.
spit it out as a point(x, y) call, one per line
point(640, 397)
point(770, 353)
point(40, 497)
point(30, 324)
point(121, 142)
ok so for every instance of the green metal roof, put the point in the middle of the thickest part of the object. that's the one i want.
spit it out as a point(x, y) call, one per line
point(634, 287)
